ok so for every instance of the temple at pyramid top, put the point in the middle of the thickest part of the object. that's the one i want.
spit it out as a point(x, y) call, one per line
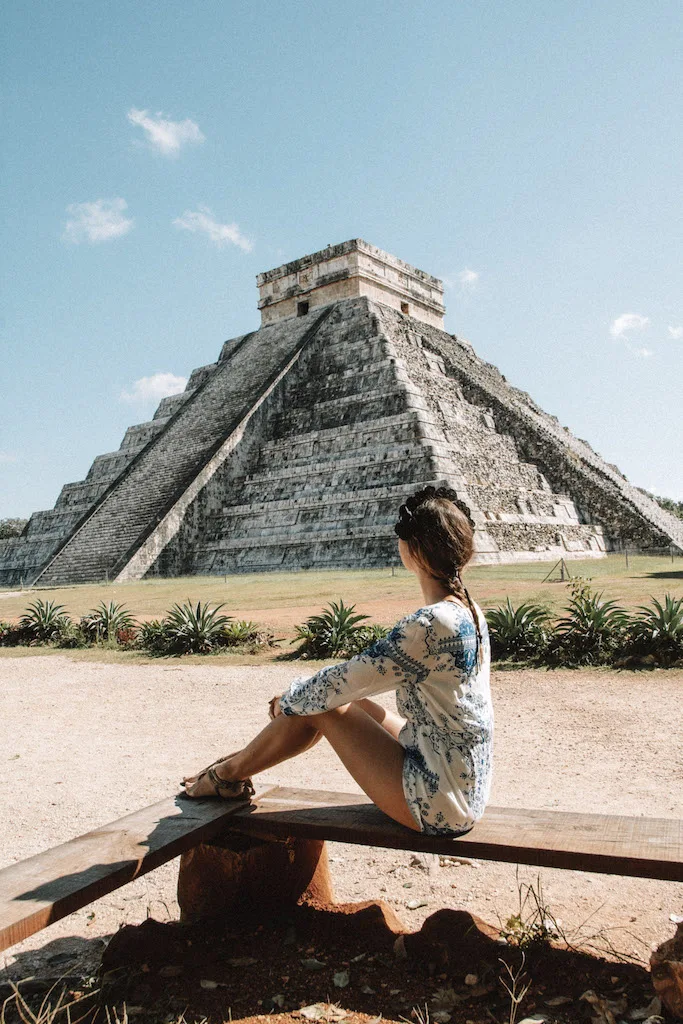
point(347, 271)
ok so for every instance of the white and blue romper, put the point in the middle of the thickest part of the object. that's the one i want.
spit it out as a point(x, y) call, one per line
point(442, 690)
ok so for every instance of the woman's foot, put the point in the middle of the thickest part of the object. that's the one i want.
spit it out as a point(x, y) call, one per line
point(214, 781)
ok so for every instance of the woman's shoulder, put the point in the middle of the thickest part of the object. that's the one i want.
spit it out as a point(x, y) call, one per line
point(444, 618)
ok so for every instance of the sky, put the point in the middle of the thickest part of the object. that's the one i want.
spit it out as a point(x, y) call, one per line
point(156, 157)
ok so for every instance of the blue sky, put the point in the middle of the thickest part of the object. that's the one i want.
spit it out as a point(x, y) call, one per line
point(156, 157)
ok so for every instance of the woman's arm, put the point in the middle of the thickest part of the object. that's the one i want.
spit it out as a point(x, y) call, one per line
point(382, 667)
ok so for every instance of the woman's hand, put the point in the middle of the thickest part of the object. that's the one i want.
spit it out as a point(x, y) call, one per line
point(274, 708)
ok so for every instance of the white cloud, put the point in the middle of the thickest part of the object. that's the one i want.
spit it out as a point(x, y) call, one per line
point(8, 458)
point(675, 332)
point(626, 323)
point(466, 279)
point(98, 221)
point(165, 136)
point(154, 388)
point(642, 353)
point(202, 220)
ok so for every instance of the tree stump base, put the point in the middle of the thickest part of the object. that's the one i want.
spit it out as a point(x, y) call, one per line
point(252, 878)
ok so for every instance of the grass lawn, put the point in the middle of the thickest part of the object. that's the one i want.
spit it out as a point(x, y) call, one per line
point(283, 599)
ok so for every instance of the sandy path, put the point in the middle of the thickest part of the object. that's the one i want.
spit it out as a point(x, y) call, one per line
point(82, 743)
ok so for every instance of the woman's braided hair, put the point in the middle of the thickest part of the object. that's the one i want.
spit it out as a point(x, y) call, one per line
point(439, 531)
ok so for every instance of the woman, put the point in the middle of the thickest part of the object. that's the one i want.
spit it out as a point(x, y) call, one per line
point(431, 768)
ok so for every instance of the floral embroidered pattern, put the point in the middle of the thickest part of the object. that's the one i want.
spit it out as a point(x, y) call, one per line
point(429, 659)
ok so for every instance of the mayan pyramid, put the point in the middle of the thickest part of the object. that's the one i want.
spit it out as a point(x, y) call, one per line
point(296, 447)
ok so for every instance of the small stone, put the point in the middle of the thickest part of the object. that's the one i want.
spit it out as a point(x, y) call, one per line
point(535, 1018)
point(441, 1016)
point(394, 991)
point(367, 990)
point(207, 983)
point(676, 918)
point(559, 1001)
point(171, 971)
point(407, 885)
point(313, 964)
point(278, 1000)
point(316, 1011)
point(416, 904)
point(357, 959)
point(341, 979)
point(471, 979)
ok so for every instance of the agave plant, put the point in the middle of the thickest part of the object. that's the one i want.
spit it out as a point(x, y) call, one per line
point(518, 634)
point(657, 631)
point(591, 632)
point(44, 620)
point(106, 620)
point(364, 637)
point(195, 629)
point(328, 635)
point(153, 637)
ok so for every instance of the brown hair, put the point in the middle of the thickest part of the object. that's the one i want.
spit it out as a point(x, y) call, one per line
point(439, 532)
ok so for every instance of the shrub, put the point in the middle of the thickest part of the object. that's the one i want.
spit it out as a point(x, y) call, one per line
point(241, 633)
point(44, 621)
point(364, 637)
point(518, 634)
point(329, 634)
point(11, 527)
point(655, 635)
point(591, 633)
point(106, 621)
point(70, 636)
point(153, 637)
point(12, 634)
point(195, 629)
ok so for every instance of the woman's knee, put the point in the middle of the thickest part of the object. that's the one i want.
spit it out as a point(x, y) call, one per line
point(328, 716)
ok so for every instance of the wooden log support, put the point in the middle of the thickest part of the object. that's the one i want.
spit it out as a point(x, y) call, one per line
point(235, 875)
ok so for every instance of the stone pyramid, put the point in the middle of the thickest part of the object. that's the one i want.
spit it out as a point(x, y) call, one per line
point(296, 447)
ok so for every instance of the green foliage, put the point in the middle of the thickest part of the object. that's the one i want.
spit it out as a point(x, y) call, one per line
point(329, 634)
point(106, 621)
point(364, 637)
point(153, 637)
point(71, 636)
point(195, 629)
point(518, 634)
point(11, 527)
point(12, 635)
point(533, 925)
point(655, 634)
point(675, 507)
point(44, 621)
point(591, 633)
point(242, 633)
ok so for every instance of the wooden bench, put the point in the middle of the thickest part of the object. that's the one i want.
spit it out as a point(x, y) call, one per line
point(36, 892)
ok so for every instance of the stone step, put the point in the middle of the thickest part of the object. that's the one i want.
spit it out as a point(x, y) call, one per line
point(163, 470)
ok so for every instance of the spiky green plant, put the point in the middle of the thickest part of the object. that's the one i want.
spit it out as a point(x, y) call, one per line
point(195, 629)
point(518, 634)
point(106, 620)
point(44, 620)
point(656, 631)
point(363, 638)
point(592, 631)
point(328, 634)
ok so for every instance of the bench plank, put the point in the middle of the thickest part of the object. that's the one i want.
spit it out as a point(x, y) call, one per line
point(609, 844)
point(36, 892)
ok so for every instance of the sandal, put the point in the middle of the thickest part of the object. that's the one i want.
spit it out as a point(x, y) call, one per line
point(225, 788)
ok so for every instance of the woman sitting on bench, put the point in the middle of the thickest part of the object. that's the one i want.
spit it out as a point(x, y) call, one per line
point(430, 767)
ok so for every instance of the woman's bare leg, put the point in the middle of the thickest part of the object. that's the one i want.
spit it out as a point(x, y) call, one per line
point(370, 753)
point(389, 720)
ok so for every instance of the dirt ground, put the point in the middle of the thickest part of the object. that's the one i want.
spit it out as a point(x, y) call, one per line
point(82, 743)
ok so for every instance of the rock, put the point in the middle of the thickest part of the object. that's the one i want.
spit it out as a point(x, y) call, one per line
point(471, 979)
point(441, 1016)
point(169, 971)
point(367, 990)
point(341, 979)
point(558, 1001)
point(653, 1008)
point(428, 862)
point(313, 965)
point(207, 983)
point(666, 967)
point(536, 1018)
point(416, 904)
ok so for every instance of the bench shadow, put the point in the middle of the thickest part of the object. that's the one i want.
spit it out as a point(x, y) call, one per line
point(172, 834)
point(672, 574)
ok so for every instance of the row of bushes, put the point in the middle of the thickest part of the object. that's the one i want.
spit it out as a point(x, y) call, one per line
point(185, 629)
point(592, 631)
